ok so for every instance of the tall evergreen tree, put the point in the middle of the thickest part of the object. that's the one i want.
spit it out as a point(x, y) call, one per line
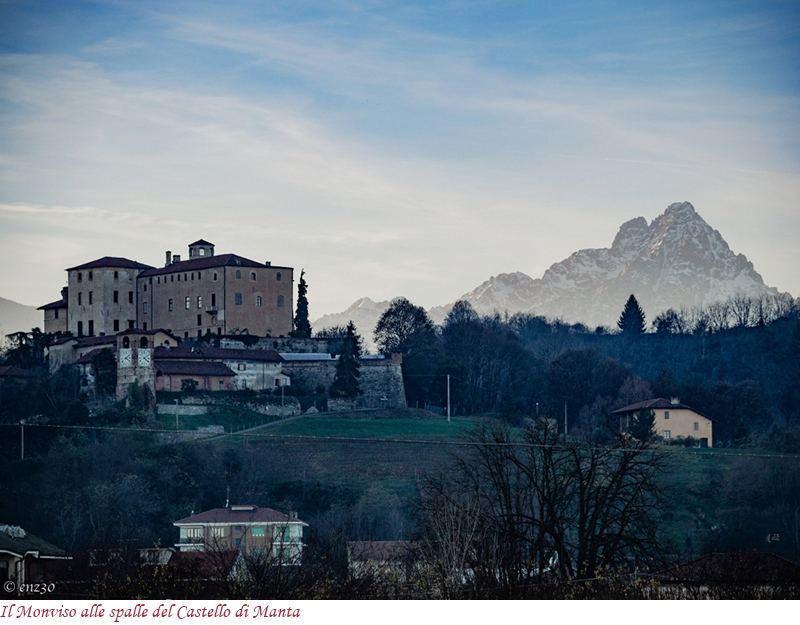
point(302, 326)
point(632, 320)
point(346, 382)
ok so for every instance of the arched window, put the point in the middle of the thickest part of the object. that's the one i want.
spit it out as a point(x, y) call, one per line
point(126, 342)
point(258, 301)
point(143, 342)
point(252, 275)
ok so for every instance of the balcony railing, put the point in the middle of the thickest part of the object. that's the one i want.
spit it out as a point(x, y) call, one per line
point(211, 310)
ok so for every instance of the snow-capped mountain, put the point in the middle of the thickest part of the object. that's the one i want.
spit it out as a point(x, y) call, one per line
point(677, 259)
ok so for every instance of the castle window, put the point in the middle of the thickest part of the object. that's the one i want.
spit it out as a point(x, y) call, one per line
point(199, 320)
point(91, 298)
point(55, 316)
point(91, 327)
point(116, 275)
point(280, 301)
point(172, 278)
point(215, 276)
point(116, 325)
point(179, 277)
point(238, 274)
point(144, 308)
point(80, 328)
point(213, 299)
point(253, 275)
point(131, 323)
point(91, 276)
point(192, 275)
point(237, 299)
point(145, 288)
point(184, 278)
point(188, 302)
point(126, 342)
point(258, 301)
point(199, 301)
point(116, 297)
point(143, 342)
point(186, 335)
point(198, 275)
point(144, 326)
point(158, 280)
point(278, 277)
point(202, 251)
point(80, 298)
point(199, 333)
point(130, 297)
point(219, 331)
point(170, 305)
point(80, 277)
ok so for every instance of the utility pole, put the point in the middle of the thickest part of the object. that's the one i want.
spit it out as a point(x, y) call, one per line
point(565, 418)
point(448, 398)
point(22, 439)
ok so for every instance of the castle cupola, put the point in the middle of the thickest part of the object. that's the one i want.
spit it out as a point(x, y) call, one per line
point(200, 249)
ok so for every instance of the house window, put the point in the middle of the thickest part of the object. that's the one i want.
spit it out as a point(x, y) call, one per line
point(666, 415)
point(282, 534)
point(280, 301)
point(179, 277)
point(91, 327)
point(238, 275)
point(188, 302)
point(258, 301)
point(199, 320)
point(144, 308)
point(202, 252)
point(192, 275)
point(198, 275)
point(145, 288)
point(144, 326)
point(116, 297)
point(696, 426)
point(257, 531)
point(116, 325)
point(238, 528)
point(116, 275)
point(242, 367)
point(91, 276)
point(237, 299)
point(238, 542)
point(172, 278)
point(55, 315)
point(199, 301)
point(130, 297)
point(80, 298)
point(80, 328)
point(158, 280)
point(91, 297)
point(194, 532)
point(131, 323)
point(170, 305)
point(253, 275)
point(666, 435)
point(213, 299)
point(185, 278)
point(278, 277)
point(217, 532)
point(80, 277)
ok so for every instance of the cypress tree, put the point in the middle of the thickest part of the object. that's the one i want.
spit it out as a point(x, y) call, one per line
point(632, 320)
point(346, 383)
point(302, 326)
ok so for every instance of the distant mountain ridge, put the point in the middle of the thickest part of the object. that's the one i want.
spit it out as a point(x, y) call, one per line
point(677, 259)
point(16, 317)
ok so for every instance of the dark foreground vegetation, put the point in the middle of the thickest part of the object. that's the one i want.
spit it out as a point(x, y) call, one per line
point(503, 505)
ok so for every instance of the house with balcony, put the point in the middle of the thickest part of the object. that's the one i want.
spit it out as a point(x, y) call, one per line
point(672, 420)
point(261, 534)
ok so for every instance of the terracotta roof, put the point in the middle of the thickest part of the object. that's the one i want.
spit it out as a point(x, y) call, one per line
point(62, 303)
point(147, 332)
point(87, 341)
point(11, 371)
point(247, 515)
point(194, 368)
point(111, 261)
point(379, 550)
point(205, 262)
point(184, 352)
point(733, 568)
point(19, 542)
point(658, 404)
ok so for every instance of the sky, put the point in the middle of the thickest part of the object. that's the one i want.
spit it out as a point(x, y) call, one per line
point(391, 148)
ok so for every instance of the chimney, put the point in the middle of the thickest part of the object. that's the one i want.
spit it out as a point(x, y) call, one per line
point(268, 263)
point(397, 358)
point(169, 259)
point(176, 258)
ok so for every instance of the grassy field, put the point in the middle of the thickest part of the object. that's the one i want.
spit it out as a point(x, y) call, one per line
point(232, 418)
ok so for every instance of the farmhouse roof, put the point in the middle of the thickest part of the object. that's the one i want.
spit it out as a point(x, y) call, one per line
point(658, 404)
point(239, 515)
point(186, 352)
point(62, 303)
point(111, 261)
point(182, 367)
point(17, 541)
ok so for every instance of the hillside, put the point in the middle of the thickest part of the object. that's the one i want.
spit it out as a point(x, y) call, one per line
point(16, 317)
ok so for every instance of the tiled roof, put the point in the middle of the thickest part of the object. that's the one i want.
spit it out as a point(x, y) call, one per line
point(214, 353)
point(180, 367)
point(88, 341)
point(19, 542)
point(205, 262)
point(87, 357)
point(59, 304)
point(111, 261)
point(11, 371)
point(658, 404)
point(245, 516)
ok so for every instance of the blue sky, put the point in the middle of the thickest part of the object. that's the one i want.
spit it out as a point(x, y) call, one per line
point(391, 148)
